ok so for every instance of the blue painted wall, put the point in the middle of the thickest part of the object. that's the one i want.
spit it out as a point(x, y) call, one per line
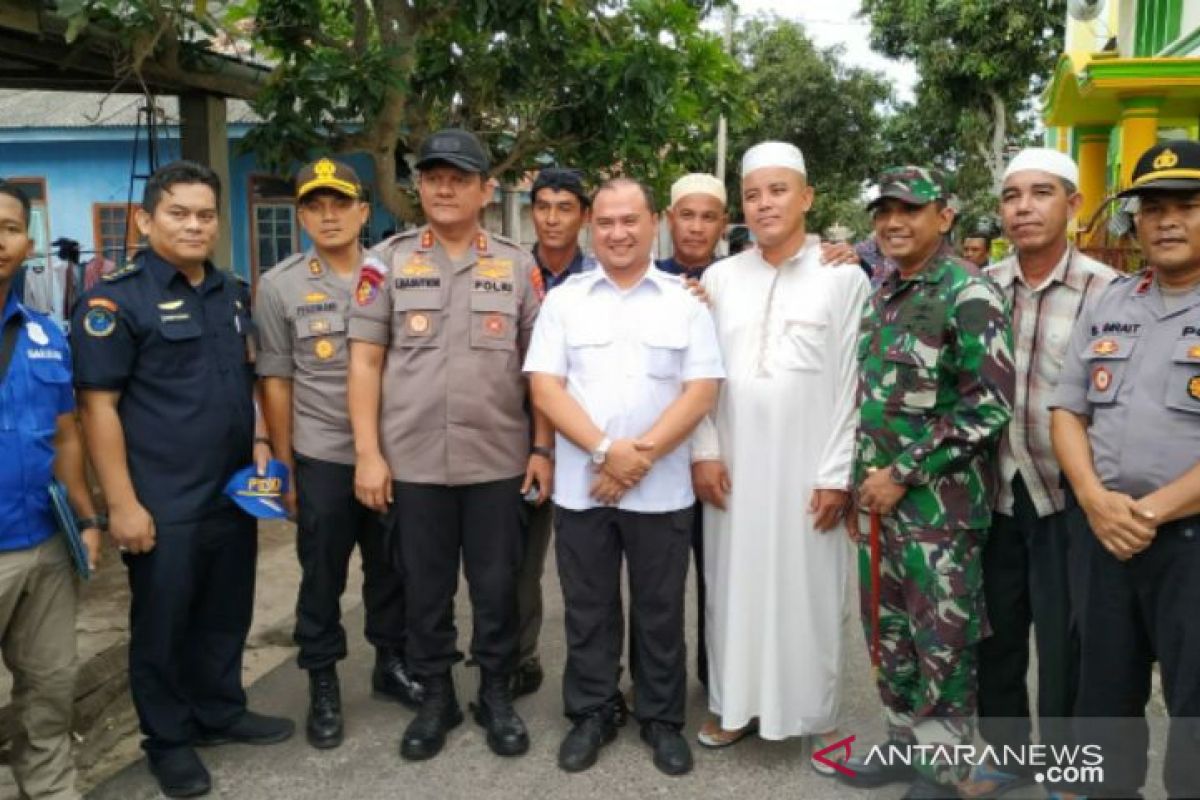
point(83, 166)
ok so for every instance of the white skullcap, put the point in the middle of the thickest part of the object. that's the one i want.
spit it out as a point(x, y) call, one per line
point(697, 183)
point(1045, 159)
point(773, 154)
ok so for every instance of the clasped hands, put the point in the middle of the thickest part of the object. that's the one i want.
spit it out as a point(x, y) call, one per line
point(1123, 525)
point(627, 462)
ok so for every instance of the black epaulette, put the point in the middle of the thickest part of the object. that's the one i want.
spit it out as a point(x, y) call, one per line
point(132, 268)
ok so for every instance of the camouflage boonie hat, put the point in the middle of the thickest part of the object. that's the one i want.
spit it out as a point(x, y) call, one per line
point(917, 186)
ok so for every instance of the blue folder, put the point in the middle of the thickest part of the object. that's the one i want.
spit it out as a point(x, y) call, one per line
point(70, 530)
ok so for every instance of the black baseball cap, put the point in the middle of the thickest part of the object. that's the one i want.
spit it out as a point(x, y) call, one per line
point(563, 180)
point(456, 147)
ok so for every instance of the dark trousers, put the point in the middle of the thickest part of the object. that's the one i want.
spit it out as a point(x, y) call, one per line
point(1026, 565)
point(434, 524)
point(701, 593)
point(330, 522)
point(539, 525)
point(192, 599)
point(589, 546)
point(1139, 611)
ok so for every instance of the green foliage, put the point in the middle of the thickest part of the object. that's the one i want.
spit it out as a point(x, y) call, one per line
point(808, 96)
point(983, 65)
point(605, 85)
point(590, 83)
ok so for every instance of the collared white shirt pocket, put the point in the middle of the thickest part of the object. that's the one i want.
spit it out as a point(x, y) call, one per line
point(589, 348)
point(664, 347)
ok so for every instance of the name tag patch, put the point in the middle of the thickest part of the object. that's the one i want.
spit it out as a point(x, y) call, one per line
point(316, 308)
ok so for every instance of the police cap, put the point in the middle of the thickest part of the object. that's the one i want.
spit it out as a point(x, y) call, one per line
point(325, 173)
point(1167, 166)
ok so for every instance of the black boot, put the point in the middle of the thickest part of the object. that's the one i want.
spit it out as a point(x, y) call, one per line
point(582, 744)
point(324, 726)
point(506, 734)
point(439, 713)
point(392, 681)
point(528, 677)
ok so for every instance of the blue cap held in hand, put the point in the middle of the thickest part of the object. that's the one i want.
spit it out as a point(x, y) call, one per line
point(260, 495)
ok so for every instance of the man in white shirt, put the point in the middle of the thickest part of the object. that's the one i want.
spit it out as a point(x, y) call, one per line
point(772, 465)
point(624, 363)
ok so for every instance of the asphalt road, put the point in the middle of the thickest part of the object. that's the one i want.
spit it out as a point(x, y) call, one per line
point(368, 765)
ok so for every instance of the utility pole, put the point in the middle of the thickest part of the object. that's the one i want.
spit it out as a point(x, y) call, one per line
point(722, 123)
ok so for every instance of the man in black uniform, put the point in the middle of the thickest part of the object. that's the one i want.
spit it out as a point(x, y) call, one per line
point(165, 378)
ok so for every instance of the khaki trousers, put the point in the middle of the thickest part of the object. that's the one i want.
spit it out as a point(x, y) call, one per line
point(38, 596)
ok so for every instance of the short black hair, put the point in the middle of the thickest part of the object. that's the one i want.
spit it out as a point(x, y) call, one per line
point(14, 191)
point(987, 240)
point(617, 183)
point(173, 174)
point(561, 179)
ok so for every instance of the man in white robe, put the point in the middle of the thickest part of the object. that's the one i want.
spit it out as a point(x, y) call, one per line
point(772, 465)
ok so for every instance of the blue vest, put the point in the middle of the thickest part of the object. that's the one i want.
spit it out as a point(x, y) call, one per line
point(36, 390)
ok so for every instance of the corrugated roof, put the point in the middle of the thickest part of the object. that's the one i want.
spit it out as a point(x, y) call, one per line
point(27, 108)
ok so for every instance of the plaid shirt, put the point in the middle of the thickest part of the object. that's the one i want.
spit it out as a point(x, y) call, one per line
point(1043, 319)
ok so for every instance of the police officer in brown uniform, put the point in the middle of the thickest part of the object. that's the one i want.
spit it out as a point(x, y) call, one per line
point(439, 325)
point(301, 312)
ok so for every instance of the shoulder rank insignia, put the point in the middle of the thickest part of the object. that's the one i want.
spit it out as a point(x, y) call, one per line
point(1143, 284)
point(132, 268)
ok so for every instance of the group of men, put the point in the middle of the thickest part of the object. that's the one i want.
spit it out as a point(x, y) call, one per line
point(448, 400)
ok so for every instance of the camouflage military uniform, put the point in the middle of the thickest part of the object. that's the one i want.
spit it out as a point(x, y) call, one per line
point(935, 391)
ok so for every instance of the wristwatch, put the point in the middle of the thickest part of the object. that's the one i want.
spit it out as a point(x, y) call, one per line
point(601, 452)
point(545, 452)
point(99, 521)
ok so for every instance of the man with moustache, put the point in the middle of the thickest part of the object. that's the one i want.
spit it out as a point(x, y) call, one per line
point(441, 318)
point(935, 390)
point(301, 313)
point(560, 210)
point(165, 375)
point(775, 482)
point(1028, 555)
point(1126, 430)
point(624, 363)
